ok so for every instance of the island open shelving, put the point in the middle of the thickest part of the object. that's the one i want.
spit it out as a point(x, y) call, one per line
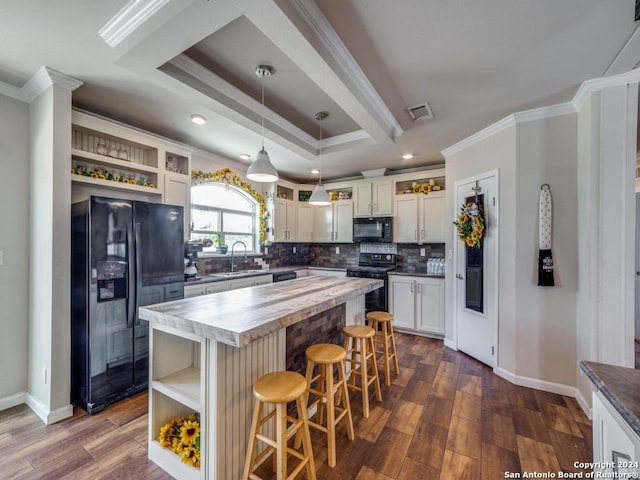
point(176, 389)
point(207, 351)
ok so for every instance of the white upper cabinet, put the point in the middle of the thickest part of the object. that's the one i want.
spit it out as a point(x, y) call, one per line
point(405, 222)
point(373, 198)
point(285, 220)
point(432, 218)
point(334, 223)
point(419, 218)
point(304, 223)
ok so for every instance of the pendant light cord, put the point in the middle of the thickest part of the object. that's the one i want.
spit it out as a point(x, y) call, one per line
point(262, 129)
point(320, 153)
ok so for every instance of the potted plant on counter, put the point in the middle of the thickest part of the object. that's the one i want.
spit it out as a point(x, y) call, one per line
point(221, 247)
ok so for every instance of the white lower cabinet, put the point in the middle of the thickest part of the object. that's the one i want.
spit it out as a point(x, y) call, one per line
point(223, 286)
point(177, 386)
point(417, 303)
point(616, 448)
point(327, 273)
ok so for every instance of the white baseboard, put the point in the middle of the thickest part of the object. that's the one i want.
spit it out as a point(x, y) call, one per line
point(450, 344)
point(584, 404)
point(47, 416)
point(12, 400)
point(537, 384)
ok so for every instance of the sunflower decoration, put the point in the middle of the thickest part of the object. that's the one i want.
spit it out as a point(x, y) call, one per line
point(470, 225)
point(182, 436)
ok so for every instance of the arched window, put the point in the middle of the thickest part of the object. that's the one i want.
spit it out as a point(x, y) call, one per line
point(228, 209)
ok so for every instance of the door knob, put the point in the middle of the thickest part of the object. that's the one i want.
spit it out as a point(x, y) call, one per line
point(459, 277)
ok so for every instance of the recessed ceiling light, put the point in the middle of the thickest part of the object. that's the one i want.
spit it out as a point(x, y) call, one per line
point(198, 119)
point(315, 171)
point(245, 156)
point(407, 156)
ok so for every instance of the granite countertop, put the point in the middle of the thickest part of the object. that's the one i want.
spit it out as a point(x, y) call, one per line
point(238, 317)
point(414, 272)
point(619, 385)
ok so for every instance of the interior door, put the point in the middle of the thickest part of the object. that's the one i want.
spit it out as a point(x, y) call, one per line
point(476, 274)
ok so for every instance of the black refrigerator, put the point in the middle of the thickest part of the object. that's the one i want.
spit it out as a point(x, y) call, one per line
point(124, 254)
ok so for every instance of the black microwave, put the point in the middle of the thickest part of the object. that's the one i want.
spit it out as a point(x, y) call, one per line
point(372, 229)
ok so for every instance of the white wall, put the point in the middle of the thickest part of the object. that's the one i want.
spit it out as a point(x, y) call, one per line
point(546, 329)
point(497, 151)
point(536, 325)
point(14, 243)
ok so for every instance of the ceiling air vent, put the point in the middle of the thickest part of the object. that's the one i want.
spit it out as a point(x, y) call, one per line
point(420, 112)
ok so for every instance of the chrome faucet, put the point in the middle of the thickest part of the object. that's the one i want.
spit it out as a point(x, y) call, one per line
point(245, 252)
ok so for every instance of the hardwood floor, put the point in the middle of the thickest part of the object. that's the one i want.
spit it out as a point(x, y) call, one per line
point(446, 416)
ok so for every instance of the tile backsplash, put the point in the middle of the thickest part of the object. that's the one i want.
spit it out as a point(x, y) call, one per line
point(331, 255)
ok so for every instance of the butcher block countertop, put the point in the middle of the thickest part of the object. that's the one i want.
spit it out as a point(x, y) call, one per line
point(238, 317)
point(619, 385)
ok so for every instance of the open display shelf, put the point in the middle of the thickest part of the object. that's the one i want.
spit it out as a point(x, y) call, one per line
point(176, 389)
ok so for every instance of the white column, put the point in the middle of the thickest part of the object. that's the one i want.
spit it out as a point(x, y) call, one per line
point(49, 95)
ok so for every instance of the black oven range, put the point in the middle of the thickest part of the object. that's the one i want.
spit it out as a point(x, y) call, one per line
point(376, 266)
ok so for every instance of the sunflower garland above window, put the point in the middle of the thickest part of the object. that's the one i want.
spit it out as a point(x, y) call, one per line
point(228, 177)
point(182, 436)
point(470, 225)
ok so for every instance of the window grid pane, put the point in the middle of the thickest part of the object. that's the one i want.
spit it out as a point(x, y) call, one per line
point(210, 213)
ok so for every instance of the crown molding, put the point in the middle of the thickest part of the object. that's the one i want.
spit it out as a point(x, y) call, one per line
point(319, 24)
point(336, 140)
point(590, 86)
point(43, 79)
point(491, 130)
point(12, 91)
point(209, 78)
point(544, 112)
point(129, 19)
point(510, 121)
point(587, 88)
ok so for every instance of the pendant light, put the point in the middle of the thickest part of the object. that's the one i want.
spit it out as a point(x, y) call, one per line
point(262, 170)
point(320, 195)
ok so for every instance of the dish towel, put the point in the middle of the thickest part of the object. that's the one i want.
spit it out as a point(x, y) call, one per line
point(545, 260)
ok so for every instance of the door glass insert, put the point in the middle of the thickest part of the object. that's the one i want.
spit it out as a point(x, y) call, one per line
point(474, 268)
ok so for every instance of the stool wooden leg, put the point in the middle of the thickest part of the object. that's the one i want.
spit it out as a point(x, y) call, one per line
point(281, 441)
point(364, 380)
point(331, 416)
point(385, 354)
point(253, 441)
point(306, 440)
point(322, 387)
point(344, 395)
point(352, 356)
point(393, 350)
point(375, 372)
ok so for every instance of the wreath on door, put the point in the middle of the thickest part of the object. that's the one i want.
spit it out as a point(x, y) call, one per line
point(470, 225)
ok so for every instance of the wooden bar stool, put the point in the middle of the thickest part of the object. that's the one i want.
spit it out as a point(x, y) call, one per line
point(325, 356)
point(280, 388)
point(358, 343)
point(381, 324)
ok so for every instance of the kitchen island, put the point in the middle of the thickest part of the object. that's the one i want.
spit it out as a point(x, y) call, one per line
point(206, 352)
